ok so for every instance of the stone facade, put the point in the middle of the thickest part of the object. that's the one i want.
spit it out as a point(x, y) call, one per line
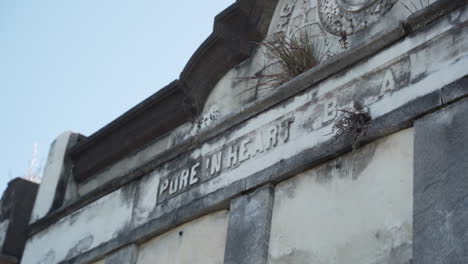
point(213, 169)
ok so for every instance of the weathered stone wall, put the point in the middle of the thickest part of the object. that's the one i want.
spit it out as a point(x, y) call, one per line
point(356, 209)
point(264, 179)
point(199, 241)
point(84, 229)
point(441, 186)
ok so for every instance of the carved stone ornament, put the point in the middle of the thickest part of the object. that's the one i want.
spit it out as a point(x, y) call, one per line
point(347, 17)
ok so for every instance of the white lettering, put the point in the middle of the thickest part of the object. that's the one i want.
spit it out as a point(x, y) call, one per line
point(184, 179)
point(216, 163)
point(258, 144)
point(284, 135)
point(232, 155)
point(173, 186)
point(193, 173)
point(272, 137)
point(164, 186)
point(388, 82)
point(244, 151)
point(329, 112)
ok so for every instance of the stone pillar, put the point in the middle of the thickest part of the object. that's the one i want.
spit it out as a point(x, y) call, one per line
point(55, 178)
point(248, 232)
point(440, 214)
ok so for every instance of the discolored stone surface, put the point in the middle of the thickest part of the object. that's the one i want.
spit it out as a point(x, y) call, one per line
point(441, 187)
point(249, 228)
point(126, 255)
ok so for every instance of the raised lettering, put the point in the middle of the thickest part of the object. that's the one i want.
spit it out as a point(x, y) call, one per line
point(285, 125)
point(173, 186)
point(258, 144)
point(216, 163)
point(232, 155)
point(272, 137)
point(388, 82)
point(184, 176)
point(193, 173)
point(329, 112)
point(164, 186)
point(244, 151)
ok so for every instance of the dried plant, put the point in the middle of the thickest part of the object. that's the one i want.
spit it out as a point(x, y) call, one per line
point(34, 169)
point(415, 5)
point(352, 124)
point(288, 57)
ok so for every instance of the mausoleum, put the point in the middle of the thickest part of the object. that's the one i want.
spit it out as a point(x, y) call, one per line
point(361, 158)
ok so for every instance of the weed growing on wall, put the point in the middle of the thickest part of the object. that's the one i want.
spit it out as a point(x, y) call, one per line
point(352, 124)
point(288, 57)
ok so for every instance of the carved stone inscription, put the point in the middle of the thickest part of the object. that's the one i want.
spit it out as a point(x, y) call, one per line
point(229, 157)
point(193, 169)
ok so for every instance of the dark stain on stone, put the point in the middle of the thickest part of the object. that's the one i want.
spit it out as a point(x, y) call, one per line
point(349, 165)
point(377, 235)
point(401, 254)
point(419, 77)
point(48, 258)
point(296, 257)
point(80, 247)
point(361, 159)
point(325, 172)
point(289, 187)
point(128, 193)
point(74, 217)
point(309, 124)
point(128, 225)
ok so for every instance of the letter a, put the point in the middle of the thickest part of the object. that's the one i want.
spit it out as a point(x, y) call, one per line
point(389, 83)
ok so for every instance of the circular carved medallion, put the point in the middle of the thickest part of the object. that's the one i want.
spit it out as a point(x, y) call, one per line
point(347, 17)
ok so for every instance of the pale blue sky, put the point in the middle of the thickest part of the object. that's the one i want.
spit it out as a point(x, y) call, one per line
point(78, 64)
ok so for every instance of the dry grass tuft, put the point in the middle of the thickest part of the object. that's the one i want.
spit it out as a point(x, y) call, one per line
point(288, 57)
point(415, 5)
point(352, 124)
